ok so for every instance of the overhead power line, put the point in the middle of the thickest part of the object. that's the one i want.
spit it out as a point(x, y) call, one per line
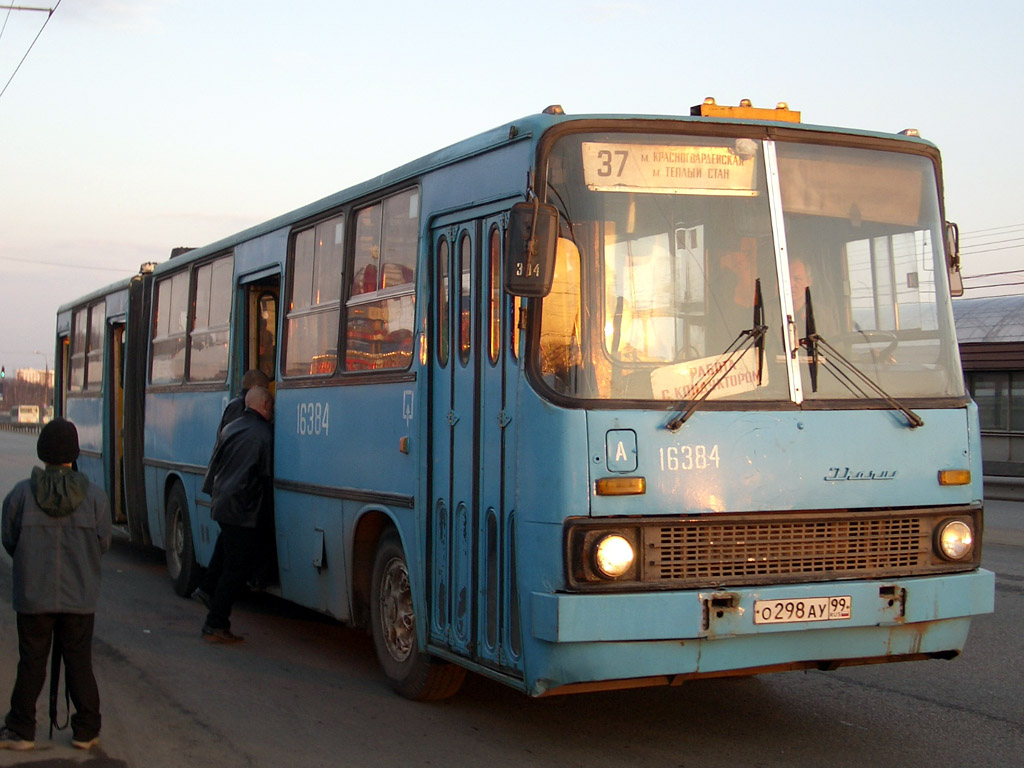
point(994, 274)
point(980, 242)
point(999, 295)
point(981, 232)
point(1011, 289)
point(991, 250)
point(1017, 240)
point(1017, 284)
point(6, 19)
point(61, 265)
point(49, 15)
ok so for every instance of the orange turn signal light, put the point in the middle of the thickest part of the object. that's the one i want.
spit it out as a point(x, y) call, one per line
point(954, 477)
point(621, 486)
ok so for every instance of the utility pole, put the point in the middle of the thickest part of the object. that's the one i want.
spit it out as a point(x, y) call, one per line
point(46, 383)
point(49, 15)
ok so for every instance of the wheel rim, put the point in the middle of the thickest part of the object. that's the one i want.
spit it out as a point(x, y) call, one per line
point(397, 621)
point(177, 544)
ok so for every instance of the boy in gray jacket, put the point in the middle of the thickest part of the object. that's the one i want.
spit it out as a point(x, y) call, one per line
point(55, 526)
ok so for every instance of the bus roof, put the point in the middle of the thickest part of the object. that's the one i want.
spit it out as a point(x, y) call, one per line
point(107, 290)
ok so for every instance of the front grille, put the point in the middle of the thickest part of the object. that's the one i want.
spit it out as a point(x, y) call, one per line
point(710, 552)
point(723, 549)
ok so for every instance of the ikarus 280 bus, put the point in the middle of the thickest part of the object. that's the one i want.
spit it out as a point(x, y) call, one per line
point(583, 402)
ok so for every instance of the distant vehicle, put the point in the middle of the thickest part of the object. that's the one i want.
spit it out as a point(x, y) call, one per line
point(556, 405)
point(25, 414)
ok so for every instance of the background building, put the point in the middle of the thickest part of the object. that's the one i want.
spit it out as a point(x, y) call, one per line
point(29, 387)
point(35, 376)
point(991, 336)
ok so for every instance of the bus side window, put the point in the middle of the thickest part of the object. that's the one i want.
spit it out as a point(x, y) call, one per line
point(313, 303)
point(79, 334)
point(560, 322)
point(379, 318)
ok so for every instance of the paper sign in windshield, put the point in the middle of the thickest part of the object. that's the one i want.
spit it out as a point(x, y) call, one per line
point(683, 380)
point(667, 169)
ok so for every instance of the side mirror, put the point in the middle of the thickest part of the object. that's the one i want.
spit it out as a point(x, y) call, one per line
point(956, 280)
point(530, 251)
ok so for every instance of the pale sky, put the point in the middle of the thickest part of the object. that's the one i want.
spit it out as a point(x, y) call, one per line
point(135, 126)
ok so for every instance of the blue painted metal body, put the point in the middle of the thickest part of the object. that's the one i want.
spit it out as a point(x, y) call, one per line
point(477, 471)
point(88, 415)
point(767, 461)
point(352, 449)
point(579, 638)
point(92, 411)
point(180, 432)
point(783, 460)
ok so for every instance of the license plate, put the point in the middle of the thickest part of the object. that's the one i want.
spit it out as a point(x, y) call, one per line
point(802, 609)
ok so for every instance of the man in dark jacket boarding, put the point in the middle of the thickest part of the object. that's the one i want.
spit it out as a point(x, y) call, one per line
point(235, 408)
point(55, 526)
point(242, 469)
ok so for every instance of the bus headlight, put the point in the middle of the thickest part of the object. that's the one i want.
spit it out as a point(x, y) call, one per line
point(613, 556)
point(955, 540)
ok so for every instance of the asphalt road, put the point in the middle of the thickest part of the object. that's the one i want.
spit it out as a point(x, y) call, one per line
point(305, 691)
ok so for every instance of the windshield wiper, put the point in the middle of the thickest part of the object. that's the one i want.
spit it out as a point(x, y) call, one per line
point(716, 374)
point(849, 378)
point(758, 329)
point(810, 340)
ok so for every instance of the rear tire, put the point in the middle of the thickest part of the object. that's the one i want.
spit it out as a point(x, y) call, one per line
point(412, 673)
point(181, 556)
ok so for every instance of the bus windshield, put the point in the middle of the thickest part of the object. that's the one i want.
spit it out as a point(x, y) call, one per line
point(667, 243)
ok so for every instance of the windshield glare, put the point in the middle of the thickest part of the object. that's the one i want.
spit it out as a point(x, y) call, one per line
point(664, 241)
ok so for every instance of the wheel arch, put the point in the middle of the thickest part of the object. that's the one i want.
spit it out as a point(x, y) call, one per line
point(372, 524)
point(171, 480)
point(182, 566)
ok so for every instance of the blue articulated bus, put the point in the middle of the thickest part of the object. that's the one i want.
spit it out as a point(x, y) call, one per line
point(583, 402)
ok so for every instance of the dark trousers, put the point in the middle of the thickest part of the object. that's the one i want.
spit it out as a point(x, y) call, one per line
point(241, 550)
point(214, 569)
point(266, 567)
point(73, 632)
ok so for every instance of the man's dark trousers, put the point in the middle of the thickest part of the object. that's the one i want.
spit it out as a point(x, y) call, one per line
point(241, 548)
point(74, 633)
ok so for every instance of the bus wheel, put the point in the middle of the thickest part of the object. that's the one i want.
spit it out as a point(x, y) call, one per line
point(181, 555)
point(412, 673)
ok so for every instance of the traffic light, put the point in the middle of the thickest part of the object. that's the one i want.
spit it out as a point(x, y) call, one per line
point(3, 382)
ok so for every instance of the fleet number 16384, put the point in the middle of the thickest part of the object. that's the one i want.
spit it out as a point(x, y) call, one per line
point(312, 418)
point(676, 458)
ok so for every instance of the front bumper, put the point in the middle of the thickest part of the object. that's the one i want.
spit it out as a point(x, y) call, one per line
point(586, 638)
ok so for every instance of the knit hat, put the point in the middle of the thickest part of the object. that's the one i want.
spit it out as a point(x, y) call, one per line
point(58, 442)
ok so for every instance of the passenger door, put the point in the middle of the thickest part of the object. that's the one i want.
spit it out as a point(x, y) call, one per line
point(469, 549)
point(115, 451)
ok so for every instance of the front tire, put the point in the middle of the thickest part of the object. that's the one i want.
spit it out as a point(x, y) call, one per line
point(411, 672)
point(178, 547)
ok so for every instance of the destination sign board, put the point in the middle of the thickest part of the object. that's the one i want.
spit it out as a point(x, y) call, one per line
point(668, 169)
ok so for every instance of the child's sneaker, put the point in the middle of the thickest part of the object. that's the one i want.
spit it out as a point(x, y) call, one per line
point(11, 740)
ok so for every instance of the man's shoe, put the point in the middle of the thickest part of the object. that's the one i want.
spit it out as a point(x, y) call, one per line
point(85, 743)
point(202, 596)
point(220, 635)
point(11, 740)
